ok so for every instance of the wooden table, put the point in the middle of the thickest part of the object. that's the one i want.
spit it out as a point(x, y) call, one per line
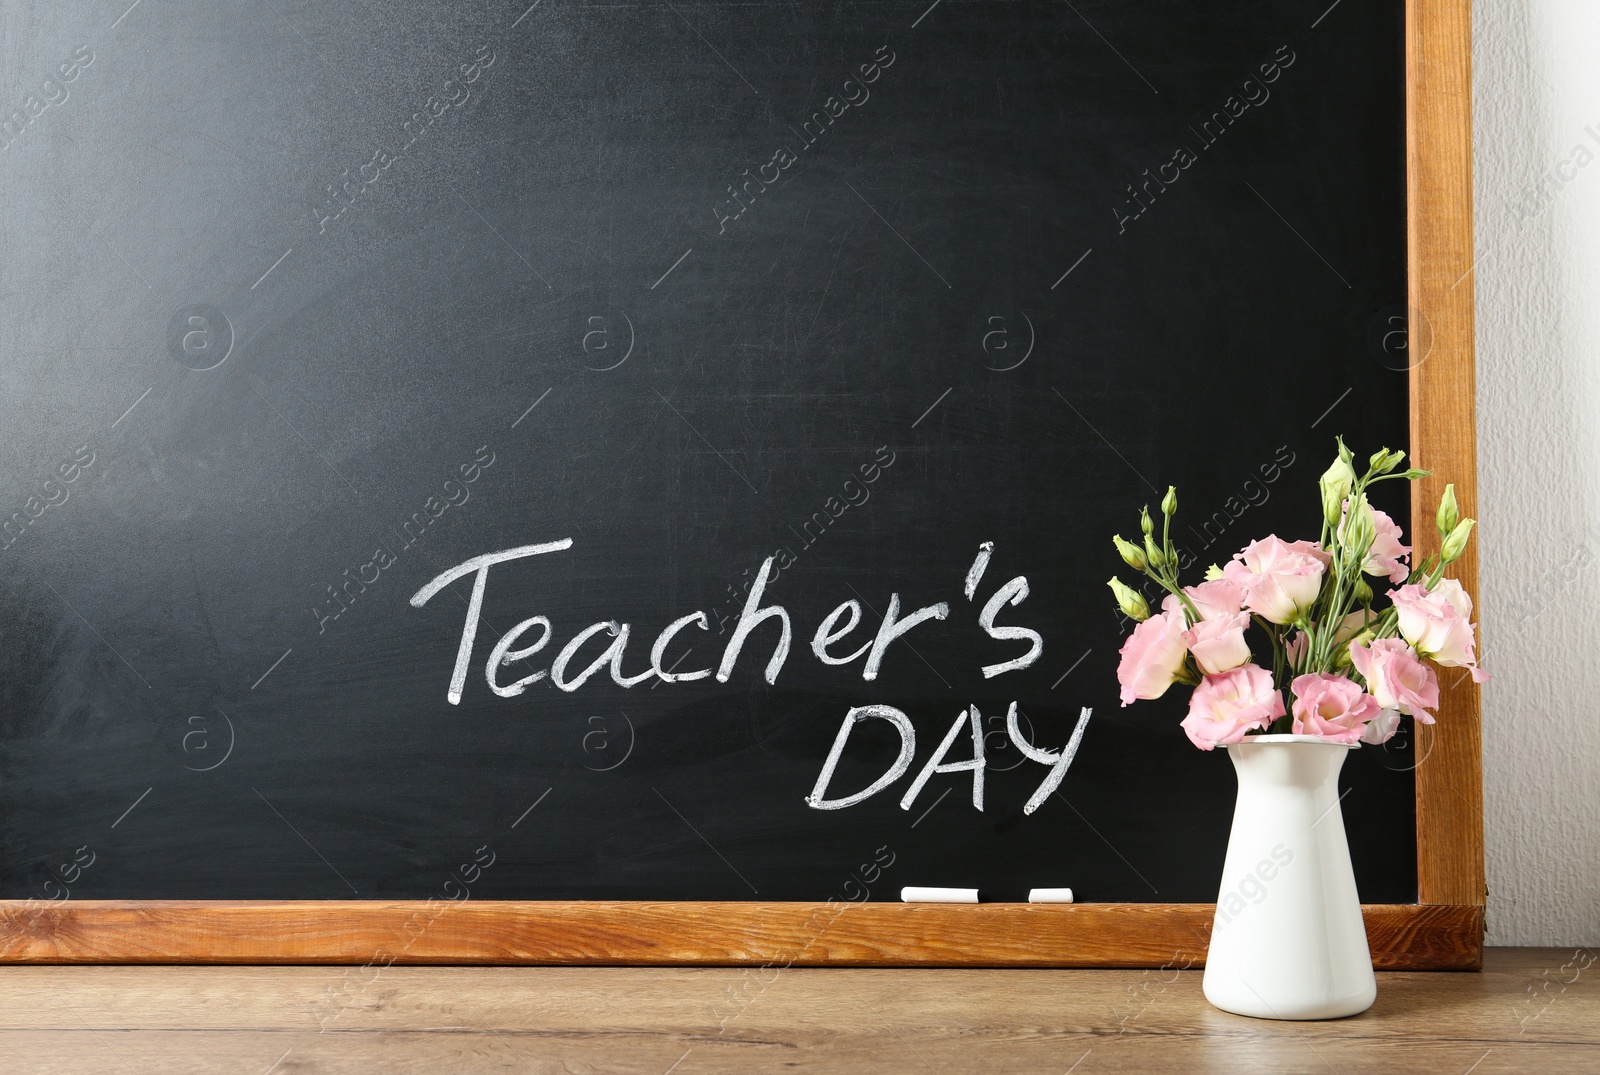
point(1531, 1010)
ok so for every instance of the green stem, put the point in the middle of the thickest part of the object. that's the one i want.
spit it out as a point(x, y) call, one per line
point(1172, 587)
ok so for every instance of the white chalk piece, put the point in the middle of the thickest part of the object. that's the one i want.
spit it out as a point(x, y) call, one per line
point(915, 894)
point(1049, 895)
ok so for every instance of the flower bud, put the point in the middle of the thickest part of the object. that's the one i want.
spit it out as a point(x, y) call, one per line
point(1131, 602)
point(1152, 553)
point(1449, 515)
point(1383, 460)
point(1339, 477)
point(1345, 455)
point(1213, 573)
point(1169, 503)
point(1456, 543)
point(1363, 592)
point(1335, 483)
point(1144, 521)
point(1131, 554)
point(1332, 506)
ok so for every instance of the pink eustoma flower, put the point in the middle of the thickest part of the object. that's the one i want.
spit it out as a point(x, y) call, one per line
point(1280, 578)
point(1331, 707)
point(1387, 554)
point(1217, 599)
point(1218, 644)
point(1151, 657)
point(1224, 707)
point(1436, 624)
point(1396, 678)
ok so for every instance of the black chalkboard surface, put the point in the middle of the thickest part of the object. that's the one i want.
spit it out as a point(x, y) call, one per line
point(306, 305)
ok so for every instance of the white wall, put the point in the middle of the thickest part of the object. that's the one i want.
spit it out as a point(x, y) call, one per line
point(1536, 88)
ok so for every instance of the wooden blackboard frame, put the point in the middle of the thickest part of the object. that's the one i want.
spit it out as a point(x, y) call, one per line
point(1442, 930)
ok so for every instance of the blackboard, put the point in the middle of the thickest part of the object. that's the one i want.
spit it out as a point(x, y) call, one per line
point(306, 305)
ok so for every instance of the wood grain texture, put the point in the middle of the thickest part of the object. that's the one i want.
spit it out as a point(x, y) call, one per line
point(1443, 425)
point(753, 934)
point(643, 1021)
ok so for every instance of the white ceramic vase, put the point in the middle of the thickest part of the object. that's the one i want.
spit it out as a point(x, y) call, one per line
point(1288, 940)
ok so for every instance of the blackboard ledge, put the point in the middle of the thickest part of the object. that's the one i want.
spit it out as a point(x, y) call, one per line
point(375, 934)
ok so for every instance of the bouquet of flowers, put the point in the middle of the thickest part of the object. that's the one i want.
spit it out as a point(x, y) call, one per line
point(1348, 669)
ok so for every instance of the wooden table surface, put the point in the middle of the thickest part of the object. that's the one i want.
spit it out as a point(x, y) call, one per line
point(1531, 1010)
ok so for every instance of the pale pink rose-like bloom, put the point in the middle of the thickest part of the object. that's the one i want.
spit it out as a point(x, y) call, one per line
point(1436, 624)
point(1151, 657)
point(1331, 707)
point(1211, 600)
point(1280, 578)
point(1218, 644)
point(1381, 728)
point(1217, 599)
point(1387, 552)
point(1224, 707)
point(1396, 678)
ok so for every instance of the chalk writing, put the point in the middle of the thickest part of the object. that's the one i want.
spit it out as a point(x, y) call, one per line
point(568, 673)
point(755, 615)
